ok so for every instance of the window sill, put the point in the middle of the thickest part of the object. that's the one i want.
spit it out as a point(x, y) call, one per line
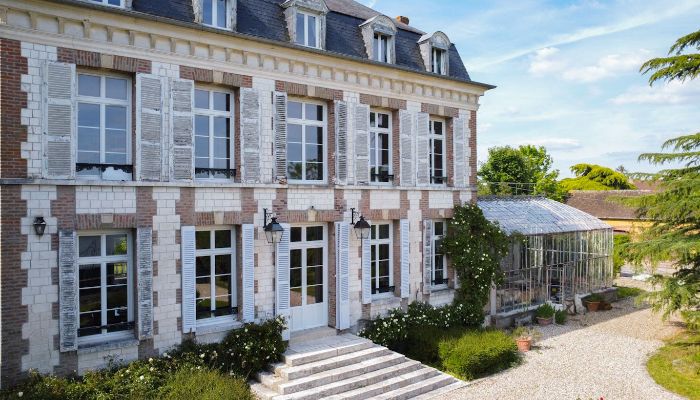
point(113, 344)
point(207, 327)
point(439, 288)
point(384, 296)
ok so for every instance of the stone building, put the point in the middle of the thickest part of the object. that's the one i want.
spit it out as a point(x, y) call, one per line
point(144, 141)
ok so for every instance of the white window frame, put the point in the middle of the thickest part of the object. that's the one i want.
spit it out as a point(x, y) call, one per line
point(303, 245)
point(435, 240)
point(431, 151)
point(383, 47)
point(104, 102)
point(374, 264)
point(103, 260)
point(212, 252)
point(306, 43)
point(215, 15)
point(304, 123)
point(374, 132)
point(106, 3)
point(211, 114)
point(441, 67)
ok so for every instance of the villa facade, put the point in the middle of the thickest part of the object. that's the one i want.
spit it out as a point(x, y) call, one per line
point(142, 143)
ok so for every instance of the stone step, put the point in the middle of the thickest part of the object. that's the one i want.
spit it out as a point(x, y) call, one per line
point(416, 389)
point(261, 391)
point(288, 373)
point(397, 382)
point(360, 368)
point(325, 352)
point(346, 385)
point(438, 393)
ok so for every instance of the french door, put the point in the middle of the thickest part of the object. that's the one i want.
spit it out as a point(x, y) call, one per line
point(308, 270)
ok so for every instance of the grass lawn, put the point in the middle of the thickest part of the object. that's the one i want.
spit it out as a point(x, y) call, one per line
point(676, 366)
point(624, 291)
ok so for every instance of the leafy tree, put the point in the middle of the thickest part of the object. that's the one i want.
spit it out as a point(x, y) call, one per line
point(675, 234)
point(595, 177)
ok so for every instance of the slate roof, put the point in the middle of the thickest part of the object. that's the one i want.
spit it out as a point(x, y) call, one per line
point(601, 204)
point(538, 216)
point(265, 19)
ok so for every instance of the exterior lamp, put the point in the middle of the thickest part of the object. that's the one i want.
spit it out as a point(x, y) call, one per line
point(39, 226)
point(273, 230)
point(362, 228)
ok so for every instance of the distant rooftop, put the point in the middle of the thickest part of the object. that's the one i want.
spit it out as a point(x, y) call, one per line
point(601, 204)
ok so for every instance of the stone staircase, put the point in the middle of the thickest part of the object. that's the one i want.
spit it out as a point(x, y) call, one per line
point(349, 367)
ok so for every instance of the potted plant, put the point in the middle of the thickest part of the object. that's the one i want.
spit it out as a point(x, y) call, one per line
point(545, 314)
point(560, 317)
point(525, 337)
point(593, 302)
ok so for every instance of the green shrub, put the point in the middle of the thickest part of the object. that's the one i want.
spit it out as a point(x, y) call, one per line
point(421, 344)
point(619, 253)
point(545, 311)
point(204, 384)
point(623, 292)
point(595, 297)
point(560, 317)
point(478, 353)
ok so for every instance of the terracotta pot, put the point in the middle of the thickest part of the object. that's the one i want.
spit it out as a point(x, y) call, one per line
point(544, 321)
point(524, 344)
point(592, 305)
point(605, 306)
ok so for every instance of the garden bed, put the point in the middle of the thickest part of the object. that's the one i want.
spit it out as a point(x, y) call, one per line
point(676, 366)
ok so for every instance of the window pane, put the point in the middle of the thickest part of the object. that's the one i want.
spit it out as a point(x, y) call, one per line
point(384, 282)
point(314, 233)
point(295, 277)
point(294, 152)
point(203, 287)
point(296, 236)
point(384, 231)
point(295, 258)
point(373, 230)
point(311, 22)
point(294, 133)
point(383, 268)
point(115, 117)
point(116, 296)
point(314, 153)
point(295, 297)
point(375, 47)
point(314, 257)
point(90, 323)
point(222, 101)
point(301, 35)
point(203, 308)
point(439, 229)
point(314, 275)
point(89, 158)
point(201, 99)
point(207, 12)
point(223, 306)
point(222, 264)
point(220, 163)
point(314, 135)
point(115, 142)
point(89, 115)
point(221, 127)
point(117, 273)
point(383, 251)
point(89, 276)
point(89, 246)
point(89, 85)
point(90, 299)
point(203, 239)
point(221, 14)
point(201, 148)
point(116, 244)
point(437, 127)
point(118, 318)
point(115, 88)
point(314, 294)
point(314, 171)
point(294, 170)
point(372, 120)
point(314, 112)
point(203, 266)
point(223, 286)
point(89, 140)
point(222, 239)
point(293, 109)
point(384, 121)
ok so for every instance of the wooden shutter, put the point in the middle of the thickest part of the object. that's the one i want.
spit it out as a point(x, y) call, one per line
point(405, 262)
point(182, 125)
point(341, 133)
point(366, 272)
point(149, 126)
point(282, 274)
point(250, 135)
point(427, 255)
point(422, 149)
point(248, 277)
point(144, 276)
point(280, 124)
point(59, 120)
point(408, 175)
point(460, 152)
point(342, 301)
point(362, 144)
point(68, 290)
point(187, 259)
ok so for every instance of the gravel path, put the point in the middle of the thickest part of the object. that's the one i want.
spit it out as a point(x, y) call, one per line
point(596, 355)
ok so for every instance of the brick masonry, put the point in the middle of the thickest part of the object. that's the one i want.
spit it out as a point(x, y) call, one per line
point(12, 101)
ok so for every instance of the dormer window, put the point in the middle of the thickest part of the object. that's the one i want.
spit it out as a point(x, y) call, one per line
point(307, 28)
point(306, 22)
point(435, 51)
point(379, 34)
point(113, 3)
point(219, 14)
point(439, 57)
point(380, 48)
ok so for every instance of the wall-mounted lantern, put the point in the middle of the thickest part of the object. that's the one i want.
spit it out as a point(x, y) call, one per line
point(362, 228)
point(39, 226)
point(273, 229)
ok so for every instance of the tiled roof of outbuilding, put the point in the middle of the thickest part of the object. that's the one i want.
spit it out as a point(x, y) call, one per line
point(601, 203)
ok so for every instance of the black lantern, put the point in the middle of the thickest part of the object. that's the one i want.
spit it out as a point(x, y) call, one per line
point(362, 228)
point(273, 230)
point(39, 226)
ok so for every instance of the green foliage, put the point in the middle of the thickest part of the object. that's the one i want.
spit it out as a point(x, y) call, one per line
point(676, 366)
point(478, 353)
point(677, 66)
point(624, 292)
point(545, 311)
point(594, 298)
point(595, 177)
point(476, 247)
point(203, 384)
point(619, 252)
point(422, 343)
point(560, 317)
point(527, 332)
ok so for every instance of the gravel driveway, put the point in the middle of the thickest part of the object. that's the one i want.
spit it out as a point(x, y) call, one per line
point(596, 355)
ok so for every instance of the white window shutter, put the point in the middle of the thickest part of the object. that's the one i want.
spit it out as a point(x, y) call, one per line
point(362, 144)
point(422, 149)
point(250, 135)
point(149, 126)
point(342, 302)
point(280, 125)
point(366, 272)
point(187, 260)
point(282, 274)
point(408, 175)
point(59, 122)
point(182, 125)
point(405, 262)
point(144, 277)
point(68, 290)
point(460, 152)
point(427, 255)
point(248, 277)
point(341, 142)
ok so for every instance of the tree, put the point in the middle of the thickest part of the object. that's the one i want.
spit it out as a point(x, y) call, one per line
point(595, 177)
point(522, 170)
point(675, 233)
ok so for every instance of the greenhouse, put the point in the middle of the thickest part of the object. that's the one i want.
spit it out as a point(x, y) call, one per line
point(556, 253)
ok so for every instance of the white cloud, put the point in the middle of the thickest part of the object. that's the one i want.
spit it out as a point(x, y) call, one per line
point(544, 62)
point(672, 93)
point(608, 66)
point(554, 143)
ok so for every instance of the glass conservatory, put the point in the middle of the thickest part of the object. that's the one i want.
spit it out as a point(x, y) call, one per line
point(556, 253)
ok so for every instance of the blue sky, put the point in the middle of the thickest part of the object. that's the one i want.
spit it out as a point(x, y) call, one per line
point(567, 72)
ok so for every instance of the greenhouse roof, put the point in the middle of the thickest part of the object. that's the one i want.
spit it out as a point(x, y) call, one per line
point(537, 215)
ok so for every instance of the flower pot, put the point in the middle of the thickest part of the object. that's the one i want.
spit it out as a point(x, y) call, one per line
point(544, 321)
point(605, 306)
point(524, 344)
point(592, 305)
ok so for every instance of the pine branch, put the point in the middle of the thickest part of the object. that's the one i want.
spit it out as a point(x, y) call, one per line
point(667, 69)
point(691, 39)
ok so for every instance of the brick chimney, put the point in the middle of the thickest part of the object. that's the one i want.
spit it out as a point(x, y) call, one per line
point(403, 20)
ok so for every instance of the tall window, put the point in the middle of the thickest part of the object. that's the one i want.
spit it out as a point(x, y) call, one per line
point(306, 257)
point(439, 273)
point(437, 152)
point(215, 13)
point(104, 127)
point(105, 286)
point(380, 47)
point(439, 61)
point(215, 274)
point(213, 133)
point(306, 125)
point(115, 3)
point(307, 29)
point(381, 258)
point(380, 146)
